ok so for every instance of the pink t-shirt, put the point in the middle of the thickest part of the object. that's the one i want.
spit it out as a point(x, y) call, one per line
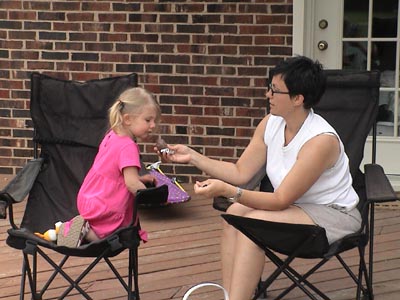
point(103, 199)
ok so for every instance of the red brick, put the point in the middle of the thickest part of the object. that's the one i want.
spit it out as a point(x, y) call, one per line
point(22, 15)
point(41, 65)
point(51, 16)
point(4, 93)
point(36, 5)
point(11, 84)
point(227, 152)
point(113, 37)
point(198, 80)
point(25, 55)
point(99, 67)
point(76, 17)
point(10, 4)
point(96, 6)
point(236, 122)
point(208, 121)
point(72, 46)
point(38, 45)
point(157, 7)
point(123, 27)
point(114, 57)
point(115, 17)
point(62, 6)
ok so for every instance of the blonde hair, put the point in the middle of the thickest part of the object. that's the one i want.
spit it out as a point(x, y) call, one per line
point(131, 101)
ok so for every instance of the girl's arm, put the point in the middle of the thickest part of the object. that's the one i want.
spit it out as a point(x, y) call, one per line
point(132, 179)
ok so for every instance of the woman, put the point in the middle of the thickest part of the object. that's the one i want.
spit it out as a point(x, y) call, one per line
point(305, 161)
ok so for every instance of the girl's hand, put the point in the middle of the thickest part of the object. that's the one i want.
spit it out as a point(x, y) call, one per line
point(177, 154)
point(212, 188)
point(148, 180)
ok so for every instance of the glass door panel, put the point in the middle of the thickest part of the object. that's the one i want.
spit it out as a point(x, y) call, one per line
point(355, 55)
point(384, 18)
point(371, 42)
point(355, 18)
point(384, 60)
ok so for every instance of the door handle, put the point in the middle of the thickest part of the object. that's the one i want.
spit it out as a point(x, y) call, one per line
point(322, 45)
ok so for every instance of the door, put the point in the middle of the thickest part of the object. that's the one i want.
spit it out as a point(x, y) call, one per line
point(362, 35)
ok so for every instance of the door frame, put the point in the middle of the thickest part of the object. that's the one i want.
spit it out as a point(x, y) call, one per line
point(306, 32)
point(303, 18)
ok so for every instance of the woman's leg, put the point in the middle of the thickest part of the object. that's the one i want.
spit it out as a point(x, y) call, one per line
point(228, 242)
point(248, 265)
point(248, 258)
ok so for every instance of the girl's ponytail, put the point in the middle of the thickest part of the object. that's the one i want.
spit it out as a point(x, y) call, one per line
point(115, 114)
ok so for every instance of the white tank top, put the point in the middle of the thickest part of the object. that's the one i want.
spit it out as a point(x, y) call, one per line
point(334, 186)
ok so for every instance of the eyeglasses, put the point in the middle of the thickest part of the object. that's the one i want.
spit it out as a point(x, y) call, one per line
point(269, 88)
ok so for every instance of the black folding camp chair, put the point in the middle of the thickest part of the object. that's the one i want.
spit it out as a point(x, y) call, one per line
point(69, 119)
point(350, 105)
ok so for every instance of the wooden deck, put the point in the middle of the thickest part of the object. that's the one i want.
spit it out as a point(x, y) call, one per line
point(183, 250)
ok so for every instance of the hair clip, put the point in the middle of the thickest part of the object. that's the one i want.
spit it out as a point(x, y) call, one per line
point(121, 105)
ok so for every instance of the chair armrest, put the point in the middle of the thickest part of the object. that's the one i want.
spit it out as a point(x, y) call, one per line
point(18, 188)
point(378, 187)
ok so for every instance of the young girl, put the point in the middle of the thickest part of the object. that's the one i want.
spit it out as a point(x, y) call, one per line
point(106, 198)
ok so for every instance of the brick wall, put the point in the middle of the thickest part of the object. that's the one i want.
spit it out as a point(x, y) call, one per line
point(205, 60)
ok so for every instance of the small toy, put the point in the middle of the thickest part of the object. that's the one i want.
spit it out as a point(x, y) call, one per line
point(51, 234)
point(163, 147)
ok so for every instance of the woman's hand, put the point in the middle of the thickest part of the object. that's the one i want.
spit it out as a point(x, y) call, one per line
point(177, 154)
point(213, 188)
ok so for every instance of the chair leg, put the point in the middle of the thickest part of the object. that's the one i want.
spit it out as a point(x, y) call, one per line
point(362, 275)
point(130, 274)
point(133, 294)
point(301, 281)
point(368, 293)
point(23, 277)
point(298, 280)
point(29, 272)
point(73, 284)
point(371, 247)
point(259, 287)
point(133, 269)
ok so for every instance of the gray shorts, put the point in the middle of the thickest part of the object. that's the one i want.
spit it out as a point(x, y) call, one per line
point(337, 222)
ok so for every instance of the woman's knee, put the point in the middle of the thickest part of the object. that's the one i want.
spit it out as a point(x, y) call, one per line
point(238, 209)
point(292, 214)
point(259, 214)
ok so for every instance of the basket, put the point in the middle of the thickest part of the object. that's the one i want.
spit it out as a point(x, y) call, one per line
point(203, 284)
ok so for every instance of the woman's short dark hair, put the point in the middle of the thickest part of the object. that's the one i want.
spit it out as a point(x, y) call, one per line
point(302, 76)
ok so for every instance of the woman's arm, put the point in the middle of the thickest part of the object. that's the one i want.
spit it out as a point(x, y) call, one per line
point(316, 156)
point(239, 173)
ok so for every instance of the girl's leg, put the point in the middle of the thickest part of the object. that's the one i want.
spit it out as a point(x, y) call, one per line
point(249, 259)
point(91, 236)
